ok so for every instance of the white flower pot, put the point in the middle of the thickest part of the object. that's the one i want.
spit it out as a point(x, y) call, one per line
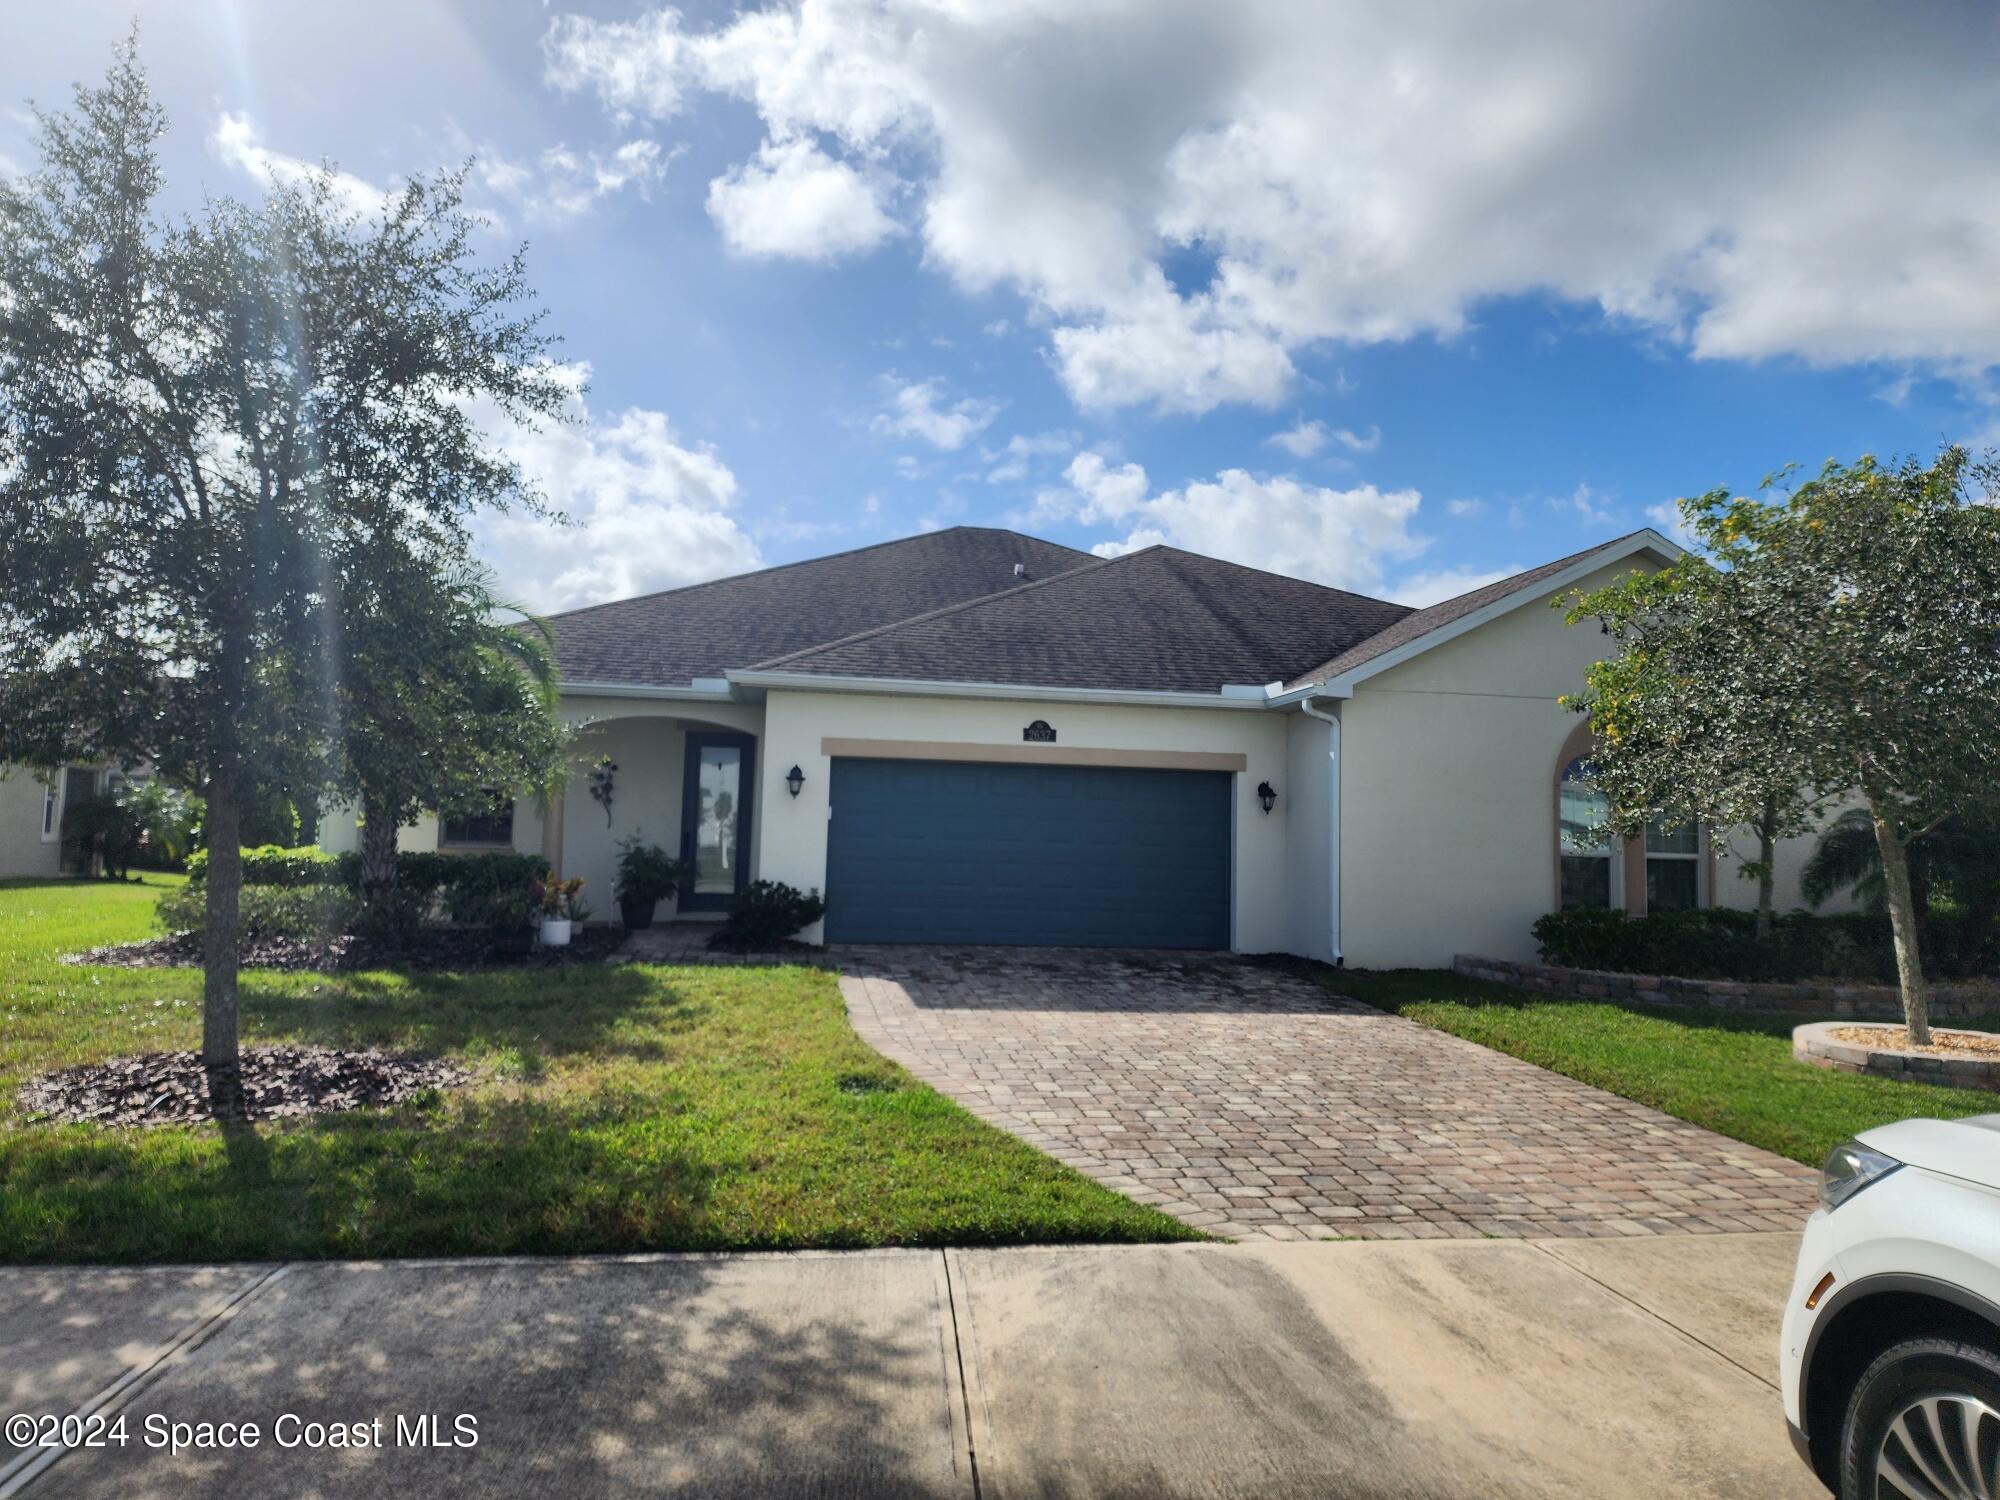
point(555, 932)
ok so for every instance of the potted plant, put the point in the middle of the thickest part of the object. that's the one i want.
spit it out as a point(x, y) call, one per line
point(557, 901)
point(647, 875)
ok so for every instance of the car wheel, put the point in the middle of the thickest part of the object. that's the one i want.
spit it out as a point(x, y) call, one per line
point(1924, 1424)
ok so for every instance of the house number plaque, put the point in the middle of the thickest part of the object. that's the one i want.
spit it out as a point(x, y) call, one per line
point(1039, 733)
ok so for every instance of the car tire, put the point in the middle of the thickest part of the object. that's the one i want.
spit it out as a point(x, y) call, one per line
point(1889, 1398)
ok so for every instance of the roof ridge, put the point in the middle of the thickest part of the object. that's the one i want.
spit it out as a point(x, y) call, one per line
point(1230, 562)
point(1096, 566)
point(801, 562)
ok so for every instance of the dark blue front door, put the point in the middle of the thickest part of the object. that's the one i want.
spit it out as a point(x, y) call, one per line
point(717, 786)
point(947, 852)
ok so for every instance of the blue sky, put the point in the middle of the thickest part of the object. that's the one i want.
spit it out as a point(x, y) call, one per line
point(1392, 303)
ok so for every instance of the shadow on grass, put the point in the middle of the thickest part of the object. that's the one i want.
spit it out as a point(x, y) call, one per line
point(535, 1014)
point(458, 1177)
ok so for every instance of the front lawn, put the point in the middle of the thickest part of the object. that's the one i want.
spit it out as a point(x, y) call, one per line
point(620, 1108)
point(1728, 1072)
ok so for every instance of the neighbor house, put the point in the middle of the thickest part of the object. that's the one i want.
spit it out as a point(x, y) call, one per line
point(975, 736)
point(31, 811)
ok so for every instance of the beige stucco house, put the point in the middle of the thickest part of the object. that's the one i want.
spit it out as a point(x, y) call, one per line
point(979, 736)
point(31, 810)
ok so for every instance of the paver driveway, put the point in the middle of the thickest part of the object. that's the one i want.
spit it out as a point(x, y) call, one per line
point(1250, 1102)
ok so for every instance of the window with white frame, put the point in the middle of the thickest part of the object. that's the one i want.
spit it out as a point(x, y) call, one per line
point(51, 806)
point(1673, 866)
point(1584, 843)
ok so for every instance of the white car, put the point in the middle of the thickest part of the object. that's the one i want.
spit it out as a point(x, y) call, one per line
point(1890, 1354)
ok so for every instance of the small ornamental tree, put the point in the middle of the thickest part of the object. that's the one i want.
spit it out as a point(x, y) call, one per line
point(211, 429)
point(442, 704)
point(1686, 727)
point(1861, 617)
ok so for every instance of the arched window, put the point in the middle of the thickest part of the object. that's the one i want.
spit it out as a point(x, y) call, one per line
point(1586, 852)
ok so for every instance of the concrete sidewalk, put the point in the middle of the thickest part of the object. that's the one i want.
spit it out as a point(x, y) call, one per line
point(1635, 1368)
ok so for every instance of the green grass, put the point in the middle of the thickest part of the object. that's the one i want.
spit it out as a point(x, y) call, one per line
point(619, 1108)
point(1728, 1072)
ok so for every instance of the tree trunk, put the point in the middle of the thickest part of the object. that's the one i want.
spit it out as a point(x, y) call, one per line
point(1903, 922)
point(378, 862)
point(221, 928)
point(1767, 868)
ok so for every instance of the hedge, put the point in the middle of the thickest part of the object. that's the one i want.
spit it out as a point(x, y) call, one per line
point(274, 864)
point(467, 883)
point(264, 911)
point(1722, 943)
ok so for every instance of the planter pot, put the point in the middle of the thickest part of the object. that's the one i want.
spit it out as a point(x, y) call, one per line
point(555, 932)
point(638, 915)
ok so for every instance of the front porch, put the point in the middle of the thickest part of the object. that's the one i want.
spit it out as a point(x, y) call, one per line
point(686, 778)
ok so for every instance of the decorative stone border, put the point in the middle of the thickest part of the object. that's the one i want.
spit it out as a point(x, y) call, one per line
point(1815, 1043)
point(1869, 1002)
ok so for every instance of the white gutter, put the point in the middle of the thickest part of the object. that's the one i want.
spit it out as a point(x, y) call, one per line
point(701, 690)
point(1015, 692)
point(1332, 722)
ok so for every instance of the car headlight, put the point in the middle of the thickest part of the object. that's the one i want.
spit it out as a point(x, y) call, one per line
point(1849, 1168)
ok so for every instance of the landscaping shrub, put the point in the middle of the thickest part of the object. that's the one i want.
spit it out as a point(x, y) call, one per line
point(1589, 937)
point(274, 864)
point(102, 829)
point(265, 911)
point(470, 883)
point(766, 912)
point(1721, 943)
point(481, 890)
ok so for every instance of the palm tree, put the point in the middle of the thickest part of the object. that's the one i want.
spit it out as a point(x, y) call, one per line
point(1958, 859)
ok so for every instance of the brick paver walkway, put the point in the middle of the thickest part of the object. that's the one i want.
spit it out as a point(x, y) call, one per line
point(1248, 1101)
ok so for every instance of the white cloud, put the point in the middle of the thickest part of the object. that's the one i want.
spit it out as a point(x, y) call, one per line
point(235, 141)
point(1464, 508)
point(560, 184)
point(1302, 439)
point(1011, 463)
point(650, 512)
point(1339, 537)
point(1366, 173)
point(1587, 504)
point(1666, 519)
point(636, 67)
point(794, 200)
point(1421, 589)
point(920, 409)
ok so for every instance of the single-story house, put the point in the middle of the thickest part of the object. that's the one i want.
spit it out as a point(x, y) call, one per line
point(976, 736)
point(31, 812)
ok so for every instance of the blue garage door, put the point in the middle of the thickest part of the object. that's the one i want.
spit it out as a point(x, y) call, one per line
point(948, 852)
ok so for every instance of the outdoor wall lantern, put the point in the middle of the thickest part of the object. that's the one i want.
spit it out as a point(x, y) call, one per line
point(795, 778)
point(1267, 795)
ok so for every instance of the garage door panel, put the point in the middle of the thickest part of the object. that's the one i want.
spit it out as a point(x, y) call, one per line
point(928, 851)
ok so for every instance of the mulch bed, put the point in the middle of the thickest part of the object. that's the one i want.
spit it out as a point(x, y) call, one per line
point(173, 1088)
point(426, 948)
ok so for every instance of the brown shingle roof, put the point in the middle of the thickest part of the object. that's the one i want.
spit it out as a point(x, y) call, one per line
point(1156, 620)
point(1422, 622)
point(670, 638)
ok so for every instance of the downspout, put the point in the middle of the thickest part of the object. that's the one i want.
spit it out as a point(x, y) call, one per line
point(1332, 722)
